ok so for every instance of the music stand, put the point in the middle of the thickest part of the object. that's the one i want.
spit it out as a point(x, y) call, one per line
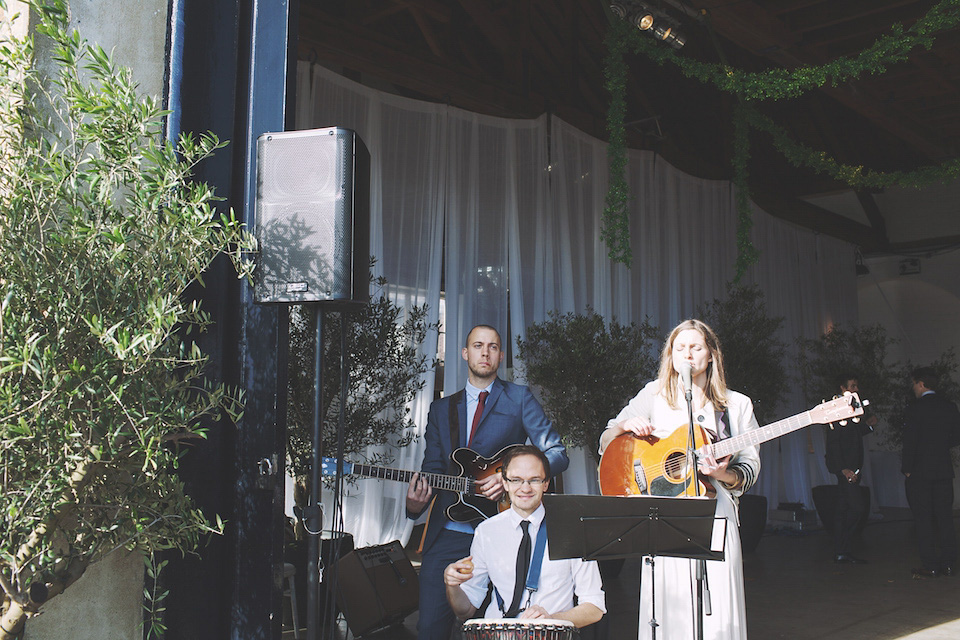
point(608, 527)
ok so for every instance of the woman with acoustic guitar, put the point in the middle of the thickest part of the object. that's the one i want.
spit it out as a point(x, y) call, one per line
point(655, 422)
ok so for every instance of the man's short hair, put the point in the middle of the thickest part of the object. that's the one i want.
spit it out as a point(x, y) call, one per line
point(845, 377)
point(927, 376)
point(524, 450)
point(466, 340)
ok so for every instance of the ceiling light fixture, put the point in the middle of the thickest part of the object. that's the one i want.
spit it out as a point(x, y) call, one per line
point(657, 24)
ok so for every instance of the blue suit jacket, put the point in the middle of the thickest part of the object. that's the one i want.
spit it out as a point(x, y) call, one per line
point(511, 415)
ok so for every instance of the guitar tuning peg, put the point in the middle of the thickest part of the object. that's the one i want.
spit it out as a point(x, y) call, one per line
point(855, 420)
point(842, 423)
point(847, 393)
point(865, 402)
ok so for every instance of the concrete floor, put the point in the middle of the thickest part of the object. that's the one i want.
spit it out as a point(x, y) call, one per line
point(795, 591)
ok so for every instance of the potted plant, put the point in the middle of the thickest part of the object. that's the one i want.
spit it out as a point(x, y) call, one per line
point(102, 385)
point(586, 369)
point(753, 363)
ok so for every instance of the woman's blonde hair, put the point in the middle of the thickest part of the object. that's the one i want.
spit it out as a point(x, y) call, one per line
point(716, 387)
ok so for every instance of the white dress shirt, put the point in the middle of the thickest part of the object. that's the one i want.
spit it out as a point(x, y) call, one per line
point(494, 552)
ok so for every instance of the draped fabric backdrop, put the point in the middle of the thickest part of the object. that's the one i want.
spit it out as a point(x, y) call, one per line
point(504, 216)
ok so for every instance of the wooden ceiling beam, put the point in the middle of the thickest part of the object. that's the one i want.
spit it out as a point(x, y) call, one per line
point(874, 215)
point(755, 32)
point(502, 39)
point(810, 216)
point(837, 13)
point(326, 38)
point(427, 32)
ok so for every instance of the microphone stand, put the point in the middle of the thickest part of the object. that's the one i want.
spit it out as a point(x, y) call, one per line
point(703, 588)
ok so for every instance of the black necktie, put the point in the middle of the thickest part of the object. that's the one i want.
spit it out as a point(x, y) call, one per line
point(523, 563)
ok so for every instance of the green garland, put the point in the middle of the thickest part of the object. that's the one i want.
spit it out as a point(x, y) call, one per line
point(774, 84)
point(858, 177)
point(616, 220)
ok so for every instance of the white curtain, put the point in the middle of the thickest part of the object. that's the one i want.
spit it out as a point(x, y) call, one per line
point(511, 212)
point(406, 140)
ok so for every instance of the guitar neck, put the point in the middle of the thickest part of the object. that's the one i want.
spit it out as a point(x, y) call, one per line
point(435, 480)
point(758, 436)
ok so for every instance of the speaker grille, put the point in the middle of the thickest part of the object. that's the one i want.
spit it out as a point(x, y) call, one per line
point(312, 216)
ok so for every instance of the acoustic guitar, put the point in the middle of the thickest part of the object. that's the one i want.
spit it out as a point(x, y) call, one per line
point(652, 466)
point(470, 504)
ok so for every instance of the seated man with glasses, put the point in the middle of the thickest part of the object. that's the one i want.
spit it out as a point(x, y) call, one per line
point(510, 551)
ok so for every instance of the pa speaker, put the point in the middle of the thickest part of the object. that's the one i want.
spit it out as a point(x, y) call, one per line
point(378, 587)
point(312, 217)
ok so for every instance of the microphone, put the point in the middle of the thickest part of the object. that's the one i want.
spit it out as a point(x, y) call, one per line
point(686, 375)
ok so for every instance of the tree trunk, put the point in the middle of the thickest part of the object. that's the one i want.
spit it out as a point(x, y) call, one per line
point(12, 621)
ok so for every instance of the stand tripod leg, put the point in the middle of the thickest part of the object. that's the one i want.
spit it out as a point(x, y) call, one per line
point(703, 596)
point(652, 561)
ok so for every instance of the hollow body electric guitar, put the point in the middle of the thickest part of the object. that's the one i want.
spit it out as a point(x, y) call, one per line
point(632, 466)
point(470, 504)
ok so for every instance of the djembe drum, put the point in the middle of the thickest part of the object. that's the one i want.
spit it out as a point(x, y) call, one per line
point(513, 629)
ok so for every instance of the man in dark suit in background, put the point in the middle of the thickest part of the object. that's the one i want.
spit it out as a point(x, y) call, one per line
point(844, 458)
point(931, 428)
point(508, 414)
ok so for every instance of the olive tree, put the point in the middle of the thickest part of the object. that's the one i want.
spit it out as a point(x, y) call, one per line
point(586, 369)
point(102, 230)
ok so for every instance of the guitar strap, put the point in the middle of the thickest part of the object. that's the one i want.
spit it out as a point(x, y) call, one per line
point(533, 572)
point(454, 428)
point(723, 424)
point(426, 525)
point(454, 444)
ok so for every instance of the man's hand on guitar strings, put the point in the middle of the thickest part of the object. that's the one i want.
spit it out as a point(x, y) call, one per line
point(418, 494)
point(491, 487)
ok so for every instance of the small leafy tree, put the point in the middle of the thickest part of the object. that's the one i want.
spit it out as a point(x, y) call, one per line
point(752, 352)
point(386, 371)
point(861, 352)
point(586, 370)
point(101, 382)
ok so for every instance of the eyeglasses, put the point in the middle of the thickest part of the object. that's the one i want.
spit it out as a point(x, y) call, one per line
point(533, 482)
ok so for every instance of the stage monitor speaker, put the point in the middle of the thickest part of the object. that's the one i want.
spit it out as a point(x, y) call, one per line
point(313, 217)
point(378, 587)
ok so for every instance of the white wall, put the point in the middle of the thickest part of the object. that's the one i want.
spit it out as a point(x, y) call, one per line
point(922, 311)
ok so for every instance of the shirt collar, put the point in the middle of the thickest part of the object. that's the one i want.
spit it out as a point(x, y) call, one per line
point(535, 518)
point(473, 393)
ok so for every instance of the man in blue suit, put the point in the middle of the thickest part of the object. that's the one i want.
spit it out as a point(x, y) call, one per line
point(509, 414)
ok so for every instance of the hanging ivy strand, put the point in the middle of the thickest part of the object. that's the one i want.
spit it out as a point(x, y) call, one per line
point(616, 219)
point(747, 253)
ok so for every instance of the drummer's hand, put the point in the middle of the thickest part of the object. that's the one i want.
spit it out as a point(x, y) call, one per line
point(458, 572)
point(418, 494)
point(491, 487)
point(534, 611)
point(637, 425)
point(710, 466)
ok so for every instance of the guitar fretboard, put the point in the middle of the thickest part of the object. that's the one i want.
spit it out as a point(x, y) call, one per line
point(435, 480)
point(757, 436)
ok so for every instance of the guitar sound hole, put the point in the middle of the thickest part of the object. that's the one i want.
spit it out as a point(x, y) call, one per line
point(675, 466)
